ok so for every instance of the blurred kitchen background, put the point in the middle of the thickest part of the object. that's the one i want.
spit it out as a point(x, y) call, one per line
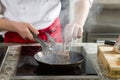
point(103, 22)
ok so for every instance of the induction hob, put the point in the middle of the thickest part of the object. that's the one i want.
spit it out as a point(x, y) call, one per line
point(28, 68)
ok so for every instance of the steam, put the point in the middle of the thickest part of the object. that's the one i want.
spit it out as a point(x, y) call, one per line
point(94, 12)
point(64, 15)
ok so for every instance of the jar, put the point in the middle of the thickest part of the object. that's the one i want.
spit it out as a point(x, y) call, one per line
point(116, 46)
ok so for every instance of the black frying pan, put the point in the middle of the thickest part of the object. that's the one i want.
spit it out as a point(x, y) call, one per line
point(74, 59)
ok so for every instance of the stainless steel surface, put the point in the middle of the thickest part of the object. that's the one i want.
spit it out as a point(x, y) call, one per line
point(56, 78)
point(99, 37)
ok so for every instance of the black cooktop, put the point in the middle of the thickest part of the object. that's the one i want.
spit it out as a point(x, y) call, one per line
point(27, 66)
point(3, 50)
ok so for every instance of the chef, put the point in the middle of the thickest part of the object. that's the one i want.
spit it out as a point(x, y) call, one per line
point(21, 17)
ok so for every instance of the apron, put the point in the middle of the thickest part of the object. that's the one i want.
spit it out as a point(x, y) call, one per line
point(54, 30)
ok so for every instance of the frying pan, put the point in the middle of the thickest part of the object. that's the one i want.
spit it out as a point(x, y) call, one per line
point(54, 60)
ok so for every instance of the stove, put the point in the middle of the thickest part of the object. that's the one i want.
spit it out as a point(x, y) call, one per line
point(28, 67)
point(3, 53)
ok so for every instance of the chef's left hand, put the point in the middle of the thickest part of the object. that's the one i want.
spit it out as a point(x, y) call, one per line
point(72, 31)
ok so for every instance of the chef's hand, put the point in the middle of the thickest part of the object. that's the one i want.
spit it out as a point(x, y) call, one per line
point(72, 31)
point(24, 29)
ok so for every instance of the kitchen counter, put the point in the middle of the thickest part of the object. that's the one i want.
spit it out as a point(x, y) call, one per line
point(12, 57)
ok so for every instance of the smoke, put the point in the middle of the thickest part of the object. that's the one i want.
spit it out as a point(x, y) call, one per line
point(91, 20)
point(93, 13)
point(64, 15)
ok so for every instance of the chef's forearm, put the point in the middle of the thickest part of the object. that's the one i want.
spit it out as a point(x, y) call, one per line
point(81, 11)
point(6, 25)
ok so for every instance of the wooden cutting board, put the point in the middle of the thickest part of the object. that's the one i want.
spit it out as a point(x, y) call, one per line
point(110, 60)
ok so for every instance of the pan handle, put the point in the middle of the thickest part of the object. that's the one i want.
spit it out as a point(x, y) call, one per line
point(108, 42)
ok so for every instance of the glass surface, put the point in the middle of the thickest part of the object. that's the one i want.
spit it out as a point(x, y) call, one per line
point(27, 65)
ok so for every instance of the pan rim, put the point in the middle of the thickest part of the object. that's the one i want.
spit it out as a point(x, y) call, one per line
point(78, 62)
